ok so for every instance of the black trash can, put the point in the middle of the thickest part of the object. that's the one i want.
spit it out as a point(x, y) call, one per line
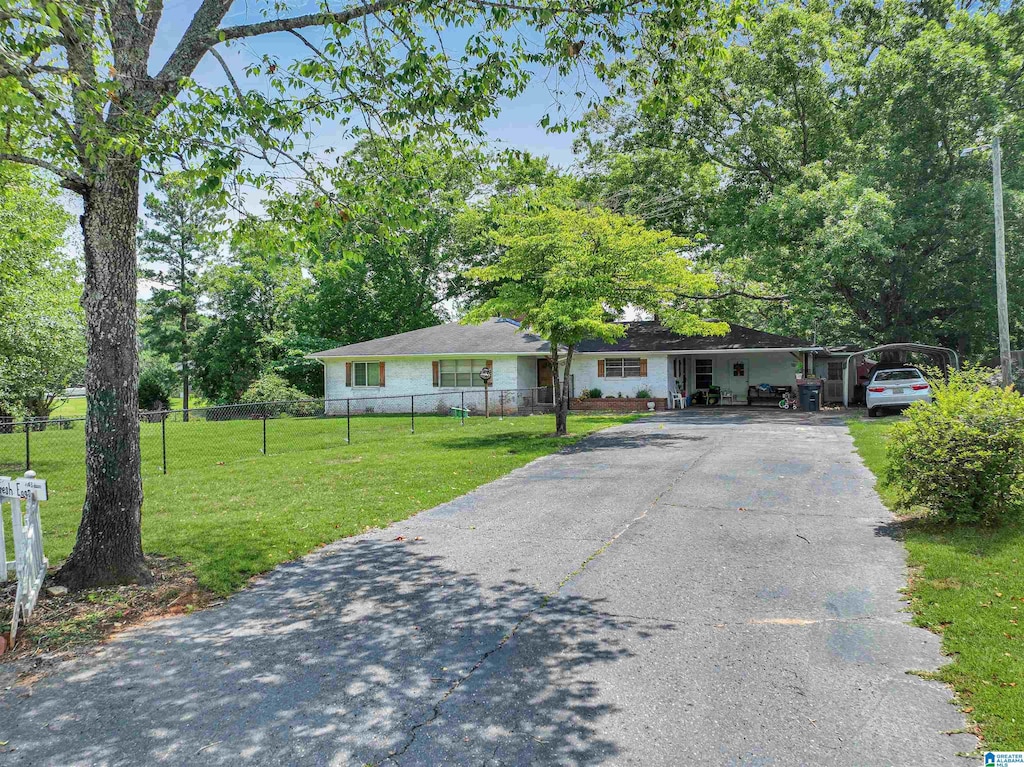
point(810, 397)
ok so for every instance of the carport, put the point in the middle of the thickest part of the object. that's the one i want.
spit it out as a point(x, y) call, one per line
point(946, 358)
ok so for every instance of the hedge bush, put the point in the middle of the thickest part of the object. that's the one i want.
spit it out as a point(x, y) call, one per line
point(154, 391)
point(961, 456)
point(270, 387)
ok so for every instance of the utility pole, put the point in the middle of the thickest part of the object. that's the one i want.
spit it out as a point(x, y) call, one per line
point(1005, 361)
point(1004, 321)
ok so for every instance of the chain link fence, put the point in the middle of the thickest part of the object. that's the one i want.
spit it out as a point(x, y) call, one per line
point(177, 440)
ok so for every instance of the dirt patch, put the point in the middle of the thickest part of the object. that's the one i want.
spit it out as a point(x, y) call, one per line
point(63, 623)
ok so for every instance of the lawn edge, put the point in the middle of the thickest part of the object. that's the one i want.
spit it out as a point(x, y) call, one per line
point(912, 578)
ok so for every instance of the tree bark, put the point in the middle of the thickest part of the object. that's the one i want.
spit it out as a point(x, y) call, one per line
point(560, 387)
point(108, 549)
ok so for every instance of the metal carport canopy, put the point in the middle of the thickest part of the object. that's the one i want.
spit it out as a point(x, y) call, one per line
point(943, 351)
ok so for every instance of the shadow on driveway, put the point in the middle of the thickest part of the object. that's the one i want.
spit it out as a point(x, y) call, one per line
point(336, 660)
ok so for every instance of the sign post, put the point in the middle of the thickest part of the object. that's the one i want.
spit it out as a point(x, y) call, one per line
point(485, 376)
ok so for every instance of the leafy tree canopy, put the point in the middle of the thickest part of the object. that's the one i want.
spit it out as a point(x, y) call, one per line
point(42, 346)
point(820, 160)
point(178, 243)
point(250, 297)
point(568, 273)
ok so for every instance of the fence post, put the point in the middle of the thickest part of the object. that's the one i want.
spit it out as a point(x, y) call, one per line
point(264, 431)
point(163, 439)
point(501, 405)
point(348, 421)
point(28, 447)
point(412, 412)
point(462, 410)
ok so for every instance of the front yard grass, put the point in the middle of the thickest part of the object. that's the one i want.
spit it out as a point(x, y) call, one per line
point(967, 585)
point(74, 407)
point(231, 512)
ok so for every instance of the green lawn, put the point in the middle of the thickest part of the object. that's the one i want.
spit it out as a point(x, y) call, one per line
point(969, 588)
point(233, 512)
point(74, 407)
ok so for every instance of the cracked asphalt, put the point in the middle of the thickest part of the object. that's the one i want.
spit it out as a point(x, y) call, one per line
point(698, 588)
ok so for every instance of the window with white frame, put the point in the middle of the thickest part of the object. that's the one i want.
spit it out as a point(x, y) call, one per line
point(622, 367)
point(366, 373)
point(703, 373)
point(460, 374)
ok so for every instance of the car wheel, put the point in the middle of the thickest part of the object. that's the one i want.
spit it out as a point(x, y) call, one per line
point(872, 412)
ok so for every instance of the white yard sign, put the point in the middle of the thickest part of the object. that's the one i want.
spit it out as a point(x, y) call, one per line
point(29, 564)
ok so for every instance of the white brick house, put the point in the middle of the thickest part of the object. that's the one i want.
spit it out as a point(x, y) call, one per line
point(440, 365)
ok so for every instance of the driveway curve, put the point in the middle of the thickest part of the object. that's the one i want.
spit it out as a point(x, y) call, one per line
point(697, 588)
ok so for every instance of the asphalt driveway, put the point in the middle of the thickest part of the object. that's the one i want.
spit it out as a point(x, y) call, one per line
point(702, 588)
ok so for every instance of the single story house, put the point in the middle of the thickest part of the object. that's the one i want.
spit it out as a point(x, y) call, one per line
point(439, 366)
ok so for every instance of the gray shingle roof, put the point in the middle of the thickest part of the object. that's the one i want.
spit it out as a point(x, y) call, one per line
point(496, 336)
point(501, 336)
point(647, 336)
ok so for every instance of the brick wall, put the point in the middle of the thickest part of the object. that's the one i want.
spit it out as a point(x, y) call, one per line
point(618, 404)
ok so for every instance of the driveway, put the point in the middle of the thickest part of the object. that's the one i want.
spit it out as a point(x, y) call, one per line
point(699, 588)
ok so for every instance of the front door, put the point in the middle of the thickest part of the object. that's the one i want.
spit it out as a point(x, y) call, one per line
point(739, 379)
point(545, 382)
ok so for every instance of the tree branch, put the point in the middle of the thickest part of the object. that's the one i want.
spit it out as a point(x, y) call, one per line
point(203, 33)
point(734, 292)
point(15, 70)
point(193, 44)
point(258, 127)
point(301, 22)
point(69, 180)
point(150, 21)
point(366, 107)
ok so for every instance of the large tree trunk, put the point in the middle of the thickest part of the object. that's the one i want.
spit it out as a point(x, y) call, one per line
point(108, 549)
point(560, 387)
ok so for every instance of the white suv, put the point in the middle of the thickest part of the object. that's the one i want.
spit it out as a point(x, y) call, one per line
point(896, 388)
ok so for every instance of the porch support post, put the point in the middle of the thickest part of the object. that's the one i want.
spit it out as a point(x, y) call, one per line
point(846, 380)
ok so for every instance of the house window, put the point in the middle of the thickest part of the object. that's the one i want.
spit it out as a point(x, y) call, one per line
point(460, 374)
point(739, 370)
point(623, 367)
point(366, 373)
point(835, 371)
point(702, 373)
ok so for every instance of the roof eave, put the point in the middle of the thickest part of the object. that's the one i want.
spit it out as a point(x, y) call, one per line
point(333, 356)
point(730, 350)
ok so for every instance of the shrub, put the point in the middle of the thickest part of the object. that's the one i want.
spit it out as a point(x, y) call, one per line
point(154, 389)
point(962, 456)
point(643, 394)
point(270, 387)
point(595, 393)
